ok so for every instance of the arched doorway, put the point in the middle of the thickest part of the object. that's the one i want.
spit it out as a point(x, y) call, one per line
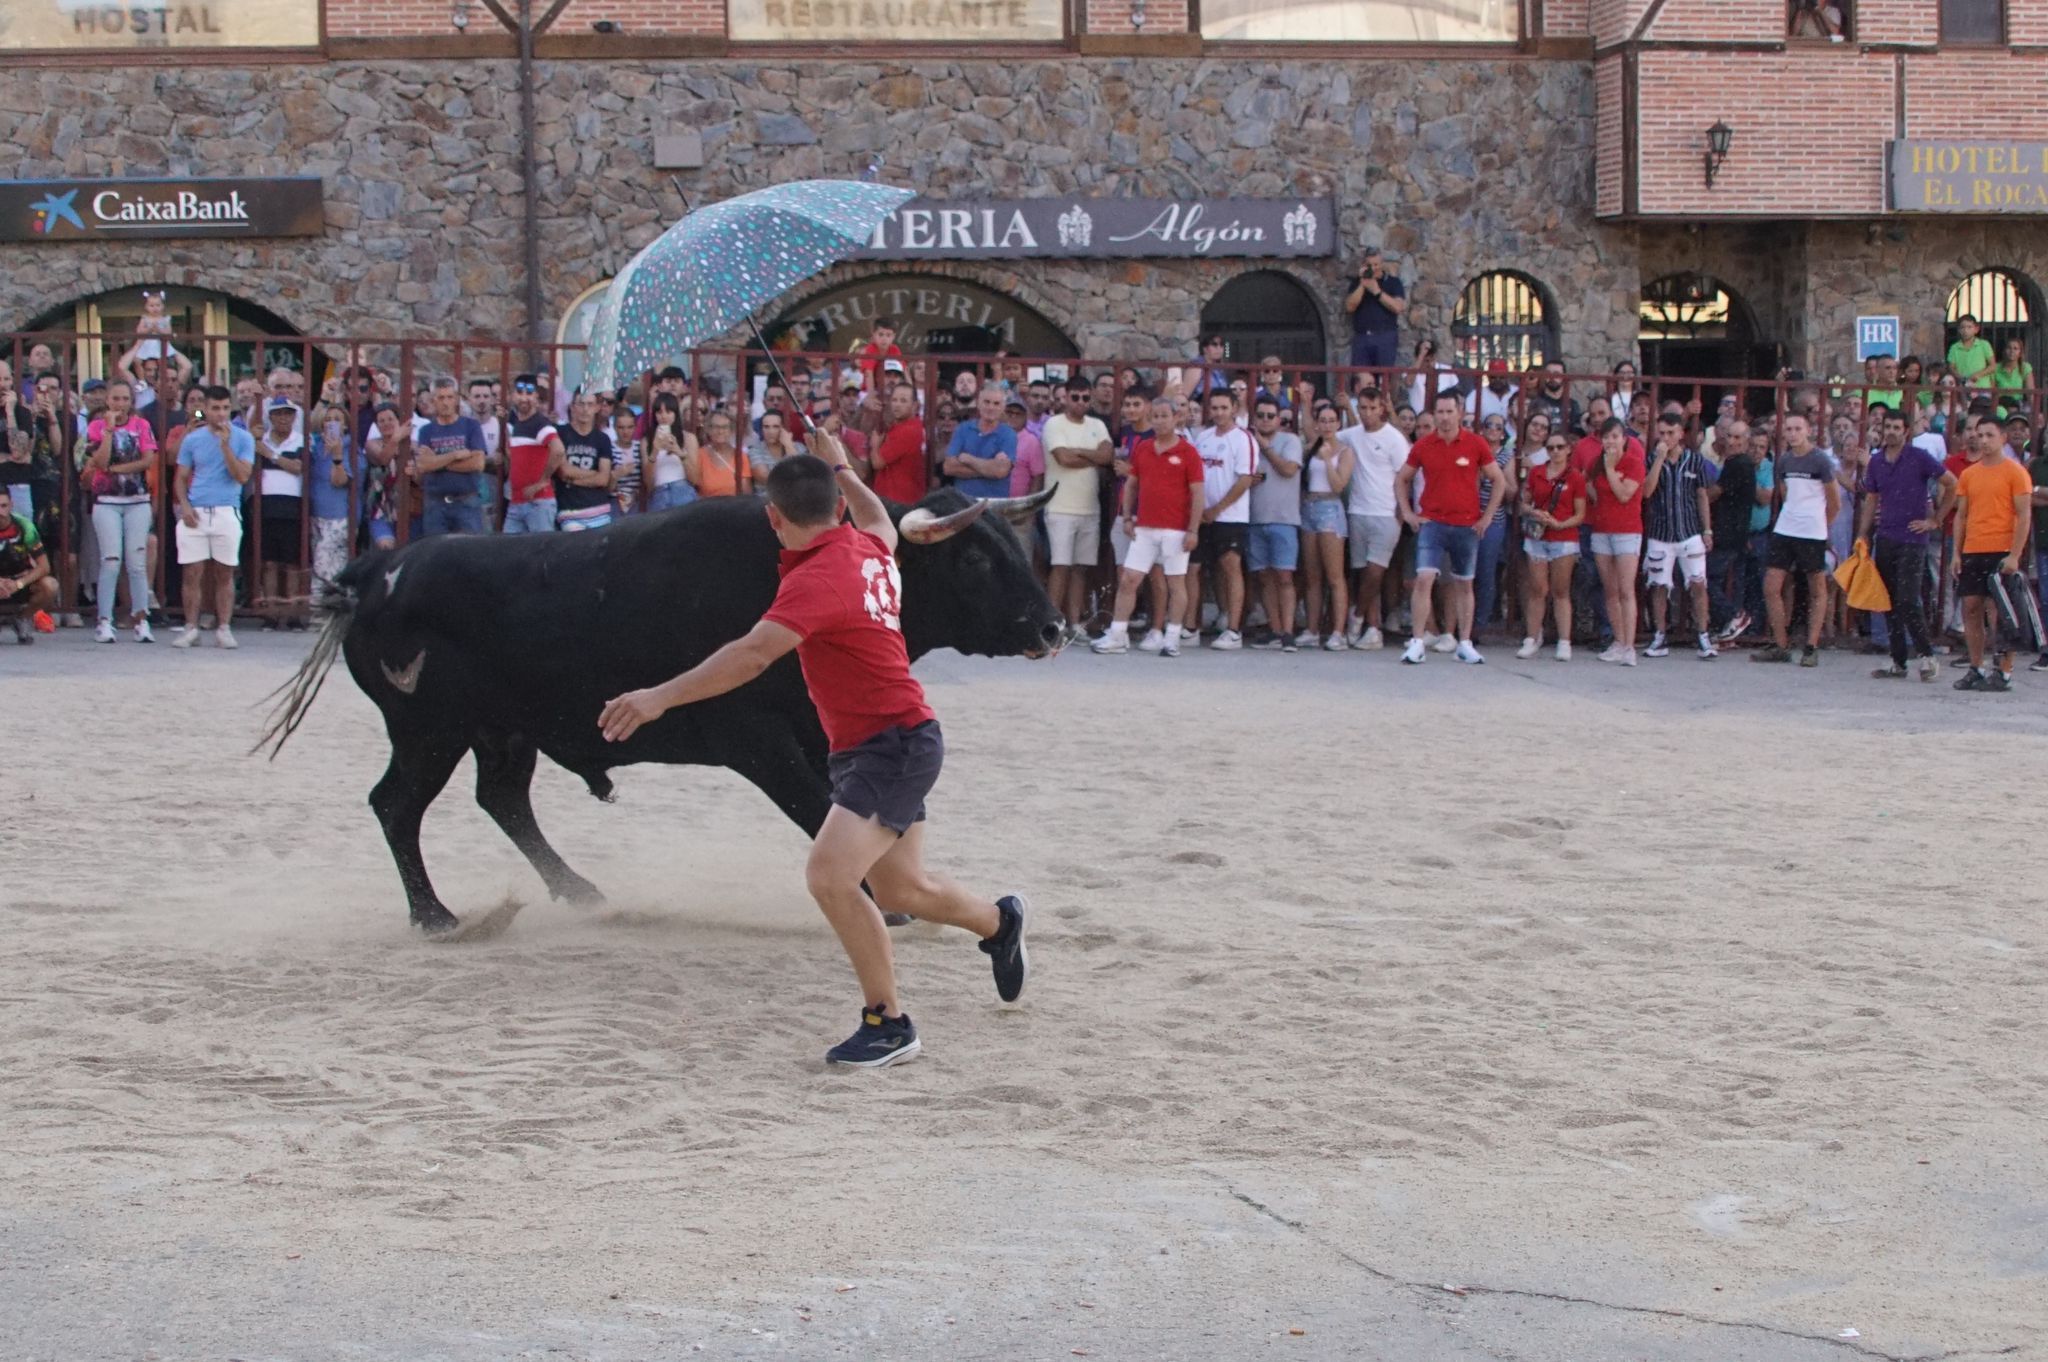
point(1503, 314)
point(575, 330)
point(934, 315)
point(2007, 306)
point(1691, 325)
point(252, 339)
point(1267, 312)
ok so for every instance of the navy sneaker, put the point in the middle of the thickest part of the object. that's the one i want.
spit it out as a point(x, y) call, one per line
point(880, 1042)
point(1005, 949)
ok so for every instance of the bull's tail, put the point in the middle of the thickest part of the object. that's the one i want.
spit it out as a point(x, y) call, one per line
point(296, 696)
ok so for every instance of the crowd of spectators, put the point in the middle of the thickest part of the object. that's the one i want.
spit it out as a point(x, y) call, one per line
point(1270, 507)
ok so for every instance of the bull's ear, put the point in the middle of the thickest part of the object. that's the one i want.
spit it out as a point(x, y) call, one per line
point(1019, 510)
point(920, 526)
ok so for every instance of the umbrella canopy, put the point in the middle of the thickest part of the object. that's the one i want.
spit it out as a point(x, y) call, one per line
point(707, 273)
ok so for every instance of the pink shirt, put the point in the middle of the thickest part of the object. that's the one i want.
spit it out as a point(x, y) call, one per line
point(1029, 464)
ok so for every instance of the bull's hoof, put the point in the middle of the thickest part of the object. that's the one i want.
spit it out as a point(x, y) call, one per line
point(435, 921)
point(580, 894)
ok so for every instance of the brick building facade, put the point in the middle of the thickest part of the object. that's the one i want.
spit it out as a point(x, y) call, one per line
point(1566, 161)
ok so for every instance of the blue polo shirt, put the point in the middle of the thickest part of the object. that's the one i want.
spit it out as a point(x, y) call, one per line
point(212, 484)
point(971, 440)
point(331, 502)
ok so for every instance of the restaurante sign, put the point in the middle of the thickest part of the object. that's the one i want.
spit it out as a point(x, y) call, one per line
point(1009, 229)
point(896, 21)
point(1945, 176)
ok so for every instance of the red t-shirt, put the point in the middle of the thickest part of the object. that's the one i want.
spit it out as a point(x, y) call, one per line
point(1450, 476)
point(898, 463)
point(1163, 482)
point(1607, 514)
point(872, 355)
point(842, 597)
point(526, 457)
point(1541, 486)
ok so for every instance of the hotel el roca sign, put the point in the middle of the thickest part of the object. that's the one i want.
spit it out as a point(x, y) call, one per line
point(1012, 229)
point(111, 210)
point(1940, 175)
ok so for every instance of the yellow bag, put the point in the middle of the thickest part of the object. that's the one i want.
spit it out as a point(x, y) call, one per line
point(1860, 581)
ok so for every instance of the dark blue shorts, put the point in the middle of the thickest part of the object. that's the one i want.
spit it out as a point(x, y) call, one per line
point(888, 776)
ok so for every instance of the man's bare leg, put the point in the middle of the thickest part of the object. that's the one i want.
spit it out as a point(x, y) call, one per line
point(902, 884)
point(847, 851)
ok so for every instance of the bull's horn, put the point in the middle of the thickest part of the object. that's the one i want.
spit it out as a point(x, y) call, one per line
point(920, 526)
point(1019, 510)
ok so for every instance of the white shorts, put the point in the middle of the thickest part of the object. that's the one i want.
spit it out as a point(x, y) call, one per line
point(1076, 539)
point(218, 536)
point(1165, 549)
point(1689, 554)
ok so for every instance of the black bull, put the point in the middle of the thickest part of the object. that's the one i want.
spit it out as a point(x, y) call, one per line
point(509, 646)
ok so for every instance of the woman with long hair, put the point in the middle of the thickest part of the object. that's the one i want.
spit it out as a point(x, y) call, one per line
point(669, 450)
point(1326, 473)
point(1614, 485)
point(1553, 505)
point(120, 448)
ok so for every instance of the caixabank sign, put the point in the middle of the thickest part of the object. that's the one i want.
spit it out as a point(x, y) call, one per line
point(112, 210)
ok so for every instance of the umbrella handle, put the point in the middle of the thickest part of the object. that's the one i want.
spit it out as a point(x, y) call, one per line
point(803, 418)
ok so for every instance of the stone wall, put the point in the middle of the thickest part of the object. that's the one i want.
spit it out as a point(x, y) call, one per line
point(1455, 167)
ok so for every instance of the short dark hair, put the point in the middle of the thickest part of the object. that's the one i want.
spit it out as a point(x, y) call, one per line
point(672, 372)
point(1213, 338)
point(1263, 403)
point(883, 324)
point(481, 382)
point(1883, 411)
point(1078, 384)
point(804, 489)
point(527, 379)
point(216, 393)
point(1450, 396)
point(1610, 425)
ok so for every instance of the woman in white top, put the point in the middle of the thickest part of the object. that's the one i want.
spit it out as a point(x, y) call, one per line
point(1326, 472)
point(120, 447)
point(281, 461)
point(669, 451)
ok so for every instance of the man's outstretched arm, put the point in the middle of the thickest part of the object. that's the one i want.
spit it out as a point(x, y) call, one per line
point(731, 667)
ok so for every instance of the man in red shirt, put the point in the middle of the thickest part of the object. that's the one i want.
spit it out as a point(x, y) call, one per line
point(1162, 504)
point(898, 462)
point(839, 608)
point(1451, 460)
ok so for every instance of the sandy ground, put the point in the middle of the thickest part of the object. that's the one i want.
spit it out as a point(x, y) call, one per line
point(1354, 982)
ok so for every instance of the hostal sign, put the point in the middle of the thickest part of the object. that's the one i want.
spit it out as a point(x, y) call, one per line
point(95, 25)
point(111, 210)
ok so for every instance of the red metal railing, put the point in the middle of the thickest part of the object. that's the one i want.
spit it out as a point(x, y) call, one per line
point(359, 374)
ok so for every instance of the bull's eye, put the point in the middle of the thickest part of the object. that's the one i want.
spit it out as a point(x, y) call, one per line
point(974, 560)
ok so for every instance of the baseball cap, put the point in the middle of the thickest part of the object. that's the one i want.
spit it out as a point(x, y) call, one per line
point(1496, 366)
point(892, 366)
point(1016, 402)
point(92, 385)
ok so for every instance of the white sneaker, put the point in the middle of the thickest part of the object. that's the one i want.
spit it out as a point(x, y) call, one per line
point(1469, 654)
point(1115, 643)
point(103, 632)
point(1415, 652)
point(1445, 643)
point(1307, 638)
point(225, 637)
point(1169, 650)
point(1708, 652)
point(142, 634)
point(1228, 641)
point(1335, 644)
point(1371, 640)
point(1564, 650)
point(1613, 653)
point(1658, 647)
point(186, 637)
point(1628, 657)
point(1153, 641)
point(1354, 629)
point(1529, 648)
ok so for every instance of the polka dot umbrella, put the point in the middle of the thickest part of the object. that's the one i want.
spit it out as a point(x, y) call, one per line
point(708, 273)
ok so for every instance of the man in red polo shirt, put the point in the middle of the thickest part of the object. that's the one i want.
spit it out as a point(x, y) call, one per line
point(1451, 460)
point(1162, 505)
point(898, 463)
point(839, 608)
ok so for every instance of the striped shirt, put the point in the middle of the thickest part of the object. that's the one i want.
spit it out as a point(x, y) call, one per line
point(1672, 513)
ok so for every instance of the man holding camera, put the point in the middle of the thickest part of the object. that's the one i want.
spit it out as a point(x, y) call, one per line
point(1375, 303)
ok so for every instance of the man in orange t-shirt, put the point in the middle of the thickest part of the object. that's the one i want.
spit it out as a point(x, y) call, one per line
point(1995, 523)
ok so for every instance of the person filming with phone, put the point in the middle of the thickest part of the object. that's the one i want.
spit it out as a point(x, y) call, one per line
point(1375, 303)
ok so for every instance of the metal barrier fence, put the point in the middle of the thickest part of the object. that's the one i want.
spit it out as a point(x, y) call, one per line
point(351, 377)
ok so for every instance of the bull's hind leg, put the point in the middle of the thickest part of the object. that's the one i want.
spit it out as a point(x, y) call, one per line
point(419, 770)
point(504, 790)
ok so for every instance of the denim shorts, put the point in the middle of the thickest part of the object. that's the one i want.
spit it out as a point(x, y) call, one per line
point(1450, 549)
point(671, 494)
point(1617, 545)
point(1550, 550)
point(887, 777)
point(1275, 548)
point(1323, 517)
